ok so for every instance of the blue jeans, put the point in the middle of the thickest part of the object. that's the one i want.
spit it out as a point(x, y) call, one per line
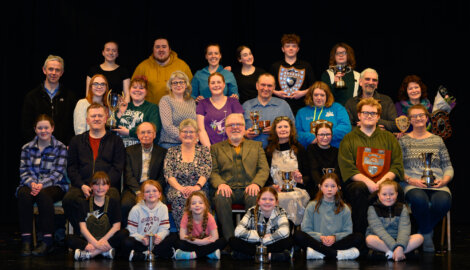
point(428, 207)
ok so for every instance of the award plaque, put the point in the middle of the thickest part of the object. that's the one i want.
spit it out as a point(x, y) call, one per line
point(403, 123)
point(373, 163)
point(441, 124)
point(291, 79)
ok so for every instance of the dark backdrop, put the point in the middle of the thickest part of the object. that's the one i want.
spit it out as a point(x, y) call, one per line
point(396, 38)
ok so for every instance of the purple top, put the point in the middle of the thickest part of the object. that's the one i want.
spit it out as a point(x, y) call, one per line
point(214, 119)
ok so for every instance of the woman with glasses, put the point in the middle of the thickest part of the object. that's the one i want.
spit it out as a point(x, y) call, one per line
point(187, 168)
point(321, 105)
point(175, 107)
point(342, 54)
point(211, 112)
point(412, 91)
point(429, 204)
point(285, 154)
point(199, 82)
point(117, 76)
point(139, 110)
point(322, 156)
point(97, 90)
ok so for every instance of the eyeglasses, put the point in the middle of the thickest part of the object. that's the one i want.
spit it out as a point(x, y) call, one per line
point(95, 84)
point(280, 118)
point(175, 83)
point(341, 53)
point(419, 115)
point(324, 135)
point(235, 125)
point(188, 132)
point(370, 114)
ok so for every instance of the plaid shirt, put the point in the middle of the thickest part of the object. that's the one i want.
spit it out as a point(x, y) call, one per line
point(46, 167)
point(277, 226)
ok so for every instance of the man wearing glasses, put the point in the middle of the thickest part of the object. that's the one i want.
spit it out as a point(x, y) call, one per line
point(51, 98)
point(239, 170)
point(369, 81)
point(367, 156)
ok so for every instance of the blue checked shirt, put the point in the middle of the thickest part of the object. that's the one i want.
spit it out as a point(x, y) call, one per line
point(46, 167)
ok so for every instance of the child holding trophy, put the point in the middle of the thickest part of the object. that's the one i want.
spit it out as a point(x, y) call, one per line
point(276, 229)
point(148, 220)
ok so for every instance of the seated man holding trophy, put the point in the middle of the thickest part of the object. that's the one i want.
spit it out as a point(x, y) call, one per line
point(92, 151)
point(428, 170)
point(367, 156)
point(261, 111)
point(239, 171)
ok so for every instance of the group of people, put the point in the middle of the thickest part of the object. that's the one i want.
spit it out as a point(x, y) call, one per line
point(186, 148)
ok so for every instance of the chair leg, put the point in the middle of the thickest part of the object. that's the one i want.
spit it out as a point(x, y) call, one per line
point(448, 232)
point(34, 231)
point(444, 231)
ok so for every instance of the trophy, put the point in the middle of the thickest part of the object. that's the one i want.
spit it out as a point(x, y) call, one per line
point(264, 124)
point(328, 170)
point(261, 250)
point(287, 184)
point(341, 69)
point(403, 123)
point(254, 115)
point(151, 256)
point(428, 175)
point(113, 104)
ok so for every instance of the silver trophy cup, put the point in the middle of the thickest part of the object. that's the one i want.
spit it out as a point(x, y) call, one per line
point(113, 104)
point(340, 69)
point(287, 183)
point(428, 175)
point(328, 170)
point(261, 250)
point(151, 256)
point(255, 115)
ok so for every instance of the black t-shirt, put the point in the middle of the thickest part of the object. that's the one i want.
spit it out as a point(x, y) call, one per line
point(304, 75)
point(247, 83)
point(114, 77)
point(114, 211)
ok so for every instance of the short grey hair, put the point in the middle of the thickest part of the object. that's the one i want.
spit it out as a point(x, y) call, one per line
point(54, 58)
point(369, 70)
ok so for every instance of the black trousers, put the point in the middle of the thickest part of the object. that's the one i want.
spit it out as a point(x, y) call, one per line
point(201, 251)
point(304, 240)
point(128, 200)
point(249, 248)
point(115, 241)
point(162, 250)
point(73, 201)
point(45, 200)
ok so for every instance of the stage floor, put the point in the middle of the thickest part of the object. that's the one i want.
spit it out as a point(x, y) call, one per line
point(458, 258)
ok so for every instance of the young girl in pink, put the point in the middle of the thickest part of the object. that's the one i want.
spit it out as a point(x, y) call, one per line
point(198, 231)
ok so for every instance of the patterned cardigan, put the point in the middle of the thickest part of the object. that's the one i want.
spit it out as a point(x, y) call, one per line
point(277, 226)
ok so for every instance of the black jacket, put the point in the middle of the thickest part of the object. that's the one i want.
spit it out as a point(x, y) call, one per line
point(111, 158)
point(60, 108)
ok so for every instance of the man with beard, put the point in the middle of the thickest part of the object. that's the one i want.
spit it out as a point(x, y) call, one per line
point(369, 81)
point(239, 170)
point(158, 68)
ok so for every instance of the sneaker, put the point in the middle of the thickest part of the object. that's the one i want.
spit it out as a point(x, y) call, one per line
point(214, 255)
point(109, 254)
point(81, 255)
point(389, 255)
point(137, 256)
point(182, 255)
point(314, 255)
point(428, 244)
point(348, 254)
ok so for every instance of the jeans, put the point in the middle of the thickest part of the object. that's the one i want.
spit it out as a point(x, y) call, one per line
point(428, 207)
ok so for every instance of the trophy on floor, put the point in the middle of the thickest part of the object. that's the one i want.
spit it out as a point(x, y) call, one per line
point(151, 256)
point(328, 170)
point(287, 184)
point(254, 115)
point(341, 69)
point(113, 104)
point(261, 250)
point(428, 175)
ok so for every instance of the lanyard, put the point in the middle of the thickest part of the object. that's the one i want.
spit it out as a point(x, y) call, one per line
point(315, 114)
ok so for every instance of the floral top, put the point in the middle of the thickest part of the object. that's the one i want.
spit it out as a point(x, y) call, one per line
point(188, 173)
